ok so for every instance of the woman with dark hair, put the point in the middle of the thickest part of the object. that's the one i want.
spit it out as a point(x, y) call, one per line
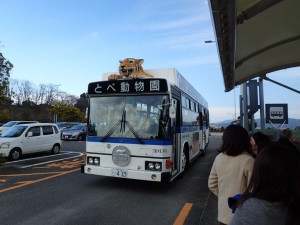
point(232, 169)
point(286, 138)
point(273, 195)
point(259, 140)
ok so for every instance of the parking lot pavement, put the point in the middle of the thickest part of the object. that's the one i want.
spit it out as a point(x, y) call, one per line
point(34, 169)
point(21, 173)
point(216, 134)
point(210, 212)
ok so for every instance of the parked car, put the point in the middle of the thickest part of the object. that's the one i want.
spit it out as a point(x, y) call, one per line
point(9, 124)
point(77, 132)
point(66, 125)
point(29, 138)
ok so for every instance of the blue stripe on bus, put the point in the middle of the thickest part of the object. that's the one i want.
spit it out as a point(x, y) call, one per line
point(186, 129)
point(130, 141)
point(182, 129)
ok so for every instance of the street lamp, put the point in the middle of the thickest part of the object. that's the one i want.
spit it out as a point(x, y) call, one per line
point(209, 41)
point(55, 115)
point(57, 87)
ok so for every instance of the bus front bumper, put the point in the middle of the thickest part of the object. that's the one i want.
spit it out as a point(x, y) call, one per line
point(163, 177)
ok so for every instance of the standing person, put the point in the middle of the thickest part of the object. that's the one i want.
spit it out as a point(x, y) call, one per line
point(273, 195)
point(259, 140)
point(286, 138)
point(232, 169)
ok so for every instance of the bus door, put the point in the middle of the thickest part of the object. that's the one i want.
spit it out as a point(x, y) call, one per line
point(176, 138)
point(202, 132)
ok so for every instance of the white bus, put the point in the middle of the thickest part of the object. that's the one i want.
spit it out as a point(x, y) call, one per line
point(146, 129)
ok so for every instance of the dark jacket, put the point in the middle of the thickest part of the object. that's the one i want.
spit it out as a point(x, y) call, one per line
point(287, 142)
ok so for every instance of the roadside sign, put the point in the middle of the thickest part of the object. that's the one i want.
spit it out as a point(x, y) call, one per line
point(277, 113)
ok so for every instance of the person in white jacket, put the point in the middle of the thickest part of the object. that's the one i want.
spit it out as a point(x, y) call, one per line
point(231, 170)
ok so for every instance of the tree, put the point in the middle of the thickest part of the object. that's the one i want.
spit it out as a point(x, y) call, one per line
point(82, 102)
point(26, 91)
point(41, 103)
point(66, 112)
point(5, 67)
point(67, 98)
point(5, 115)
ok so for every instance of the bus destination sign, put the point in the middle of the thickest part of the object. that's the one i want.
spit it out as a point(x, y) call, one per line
point(128, 86)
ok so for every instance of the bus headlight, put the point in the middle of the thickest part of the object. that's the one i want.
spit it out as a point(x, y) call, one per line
point(96, 161)
point(90, 160)
point(154, 166)
point(93, 161)
point(157, 166)
point(151, 166)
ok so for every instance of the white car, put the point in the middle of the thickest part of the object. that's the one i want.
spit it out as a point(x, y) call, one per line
point(9, 124)
point(29, 138)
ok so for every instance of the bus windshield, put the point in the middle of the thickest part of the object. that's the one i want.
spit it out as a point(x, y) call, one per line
point(140, 117)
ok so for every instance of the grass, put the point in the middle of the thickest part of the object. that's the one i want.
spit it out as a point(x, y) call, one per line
point(2, 159)
point(271, 132)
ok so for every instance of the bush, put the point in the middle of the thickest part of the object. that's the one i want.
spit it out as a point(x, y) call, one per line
point(2, 159)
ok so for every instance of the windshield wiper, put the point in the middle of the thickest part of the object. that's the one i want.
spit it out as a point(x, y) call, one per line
point(111, 131)
point(123, 122)
point(137, 136)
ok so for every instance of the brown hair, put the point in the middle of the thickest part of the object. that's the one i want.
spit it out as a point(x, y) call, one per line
point(236, 141)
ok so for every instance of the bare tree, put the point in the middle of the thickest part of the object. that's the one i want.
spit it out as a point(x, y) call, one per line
point(39, 94)
point(28, 90)
point(67, 98)
point(51, 94)
point(42, 94)
point(15, 91)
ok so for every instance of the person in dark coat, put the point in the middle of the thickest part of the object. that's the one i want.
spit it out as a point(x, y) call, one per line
point(286, 138)
point(259, 140)
point(273, 194)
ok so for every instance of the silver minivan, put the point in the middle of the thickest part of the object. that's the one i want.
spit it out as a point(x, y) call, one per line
point(29, 138)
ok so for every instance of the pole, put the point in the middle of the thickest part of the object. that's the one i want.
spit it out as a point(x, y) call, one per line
point(245, 121)
point(262, 106)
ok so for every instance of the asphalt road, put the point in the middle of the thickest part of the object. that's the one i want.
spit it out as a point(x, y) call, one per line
point(49, 189)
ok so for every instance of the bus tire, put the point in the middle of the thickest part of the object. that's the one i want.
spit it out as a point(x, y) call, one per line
point(184, 162)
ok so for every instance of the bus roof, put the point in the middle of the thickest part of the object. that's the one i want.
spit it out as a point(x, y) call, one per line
point(175, 78)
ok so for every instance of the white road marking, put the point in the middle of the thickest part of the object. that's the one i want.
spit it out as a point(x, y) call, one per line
point(62, 153)
point(37, 164)
point(23, 160)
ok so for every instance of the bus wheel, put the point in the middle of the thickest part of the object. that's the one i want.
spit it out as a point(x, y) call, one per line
point(184, 163)
point(185, 159)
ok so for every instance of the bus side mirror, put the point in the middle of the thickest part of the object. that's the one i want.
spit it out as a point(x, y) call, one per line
point(172, 112)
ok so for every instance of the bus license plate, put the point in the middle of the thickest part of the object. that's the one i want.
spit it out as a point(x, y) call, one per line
point(116, 172)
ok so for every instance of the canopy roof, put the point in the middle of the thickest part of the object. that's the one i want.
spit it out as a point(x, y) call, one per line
point(255, 37)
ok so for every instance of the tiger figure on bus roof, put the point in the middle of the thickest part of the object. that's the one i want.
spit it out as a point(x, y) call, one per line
point(130, 68)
